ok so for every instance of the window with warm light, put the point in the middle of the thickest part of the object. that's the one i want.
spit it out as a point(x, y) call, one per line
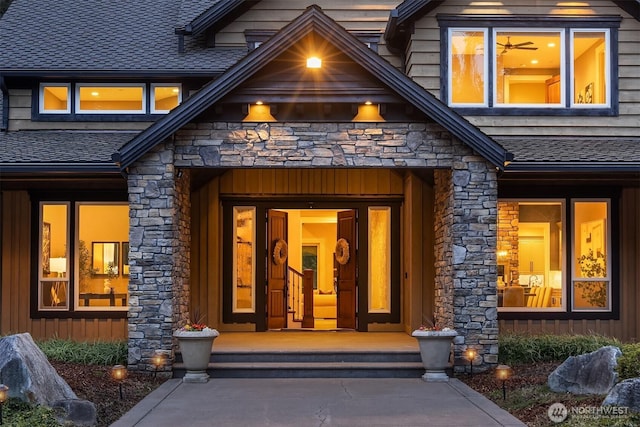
point(82, 257)
point(542, 66)
point(55, 98)
point(546, 264)
point(164, 98)
point(379, 259)
point(244, 289)
point(106, 99)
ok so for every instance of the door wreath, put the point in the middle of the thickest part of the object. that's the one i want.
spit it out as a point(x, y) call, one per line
point(342, 251)
point(280, 252)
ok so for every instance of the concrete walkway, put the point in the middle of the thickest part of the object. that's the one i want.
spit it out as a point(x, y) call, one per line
point(316, 402)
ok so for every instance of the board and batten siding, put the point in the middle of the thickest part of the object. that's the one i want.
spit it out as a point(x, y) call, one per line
point(627, 328)
point(423, 65)
point(20, 117)
point(15, 215)
point(272, 15)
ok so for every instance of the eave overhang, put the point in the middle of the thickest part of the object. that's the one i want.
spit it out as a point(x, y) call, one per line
point(65, 168)
point(561, 167)
point(402, 17)
point(217, 16)
point(632, 7)
point(313, 20)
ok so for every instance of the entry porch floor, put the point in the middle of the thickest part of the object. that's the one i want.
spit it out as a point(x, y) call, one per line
point(292, 341)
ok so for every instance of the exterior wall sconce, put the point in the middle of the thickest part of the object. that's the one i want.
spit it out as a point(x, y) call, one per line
point(470, 354)
point(119, 373)
point(4, 395)
point(314, 62)
point(259, 112)
point(503, 372)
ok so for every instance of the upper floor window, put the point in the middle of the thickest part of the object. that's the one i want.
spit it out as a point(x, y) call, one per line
point(546, 65)
point(108, 98)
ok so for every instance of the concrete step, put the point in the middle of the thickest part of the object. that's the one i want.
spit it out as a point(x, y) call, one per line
point(310, 365)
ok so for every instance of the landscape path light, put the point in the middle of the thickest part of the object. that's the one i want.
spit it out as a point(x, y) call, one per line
point(503, 372)
point(470, 354)
point(119, 373)
point(158, 361)
point(4, 395)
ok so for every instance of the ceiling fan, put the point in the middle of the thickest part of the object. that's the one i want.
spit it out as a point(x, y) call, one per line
point(508, 46)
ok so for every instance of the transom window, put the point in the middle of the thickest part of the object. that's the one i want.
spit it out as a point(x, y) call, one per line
point(539, 66)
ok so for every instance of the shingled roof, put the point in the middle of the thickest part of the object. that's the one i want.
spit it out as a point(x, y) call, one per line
point(132, 37)
point(573, 154)
point(60, 151)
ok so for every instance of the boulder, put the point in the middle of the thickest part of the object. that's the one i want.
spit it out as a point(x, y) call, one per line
point(591, 373)
point(625, 394)
point(24, 368)
point(76, 412)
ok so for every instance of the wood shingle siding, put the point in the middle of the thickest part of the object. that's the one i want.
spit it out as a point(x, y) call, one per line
point(423, 65)
point(15, 214)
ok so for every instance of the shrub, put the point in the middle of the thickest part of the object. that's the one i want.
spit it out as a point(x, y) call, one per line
point(17, 413)
point(629, 362)
point(88, 353)
point(521, 348)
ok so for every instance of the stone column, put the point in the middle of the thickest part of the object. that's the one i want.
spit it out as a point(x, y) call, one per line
point(159, 255)
point(466, 232)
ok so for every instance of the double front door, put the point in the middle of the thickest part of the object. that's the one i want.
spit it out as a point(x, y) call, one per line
point(357, 263)
point(278, 273)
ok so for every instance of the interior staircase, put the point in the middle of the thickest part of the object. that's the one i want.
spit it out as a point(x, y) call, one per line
point(310, 364)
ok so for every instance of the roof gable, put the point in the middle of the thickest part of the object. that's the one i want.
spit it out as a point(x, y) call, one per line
point(313, 20)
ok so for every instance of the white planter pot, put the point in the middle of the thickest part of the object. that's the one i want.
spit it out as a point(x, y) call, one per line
point(435, 351)
point(196, 350)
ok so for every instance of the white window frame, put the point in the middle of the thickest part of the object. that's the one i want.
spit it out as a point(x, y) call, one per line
point(41, 108)
point(485, 32)
point(566, 75)
point(607, 65)
point(143, 109)
point(563, 74)
point(607, 278)
point(153, 109)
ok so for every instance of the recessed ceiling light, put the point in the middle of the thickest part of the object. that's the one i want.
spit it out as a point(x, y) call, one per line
point(94, 93)
point(552, 44)
point(259, 102)
point(534, 61)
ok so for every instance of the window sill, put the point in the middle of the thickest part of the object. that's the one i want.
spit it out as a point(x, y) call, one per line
point(551, 111)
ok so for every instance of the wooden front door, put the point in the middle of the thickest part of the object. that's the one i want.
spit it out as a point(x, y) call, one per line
point(276, 269)
point(346, 262)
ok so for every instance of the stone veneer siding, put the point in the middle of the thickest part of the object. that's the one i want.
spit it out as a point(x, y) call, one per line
point(466, 212)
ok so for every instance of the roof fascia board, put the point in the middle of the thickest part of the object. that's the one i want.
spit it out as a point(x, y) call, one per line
point(220, 12)
point(632, 7)
point(403, 16)
point(572, 167)
point(108, 168)
point(121, 74)
point(314, 20)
